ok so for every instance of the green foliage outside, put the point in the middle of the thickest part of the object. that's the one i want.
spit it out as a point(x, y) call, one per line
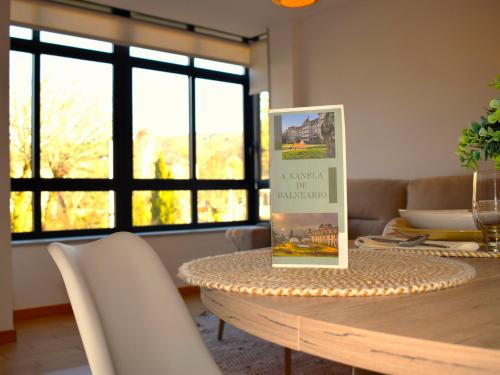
point(82, 154)
point(310, 152)
point(21, 212)
point(219, 156)
point(481, 140)
point(160, 207)
point(163, 203)
point(221, 205)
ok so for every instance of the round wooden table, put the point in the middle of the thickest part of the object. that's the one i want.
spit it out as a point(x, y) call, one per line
point(452, 331)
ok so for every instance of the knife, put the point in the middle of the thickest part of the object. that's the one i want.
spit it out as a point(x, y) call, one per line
point(387, 240)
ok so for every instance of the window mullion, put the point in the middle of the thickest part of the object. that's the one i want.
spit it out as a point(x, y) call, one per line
point(36, 149)
point(122, 138)
point(192, 142)
point(249, 153)
point(257, 140)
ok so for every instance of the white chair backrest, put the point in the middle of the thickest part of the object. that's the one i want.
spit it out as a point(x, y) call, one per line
point(130, 315)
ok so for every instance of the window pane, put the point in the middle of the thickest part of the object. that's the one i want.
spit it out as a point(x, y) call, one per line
point(161, 207)
point(21, 211)
point(219, 66)
point(222, 205)
point(77, 210)
point(219, 130)
point(151, 54)
point(76, 118)
point(20, 32)
point(75, 41)
point(161, 124)
point(264, 204)
point(264, 135)
point(20, 95)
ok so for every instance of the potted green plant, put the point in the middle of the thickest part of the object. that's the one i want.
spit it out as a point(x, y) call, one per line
point(481, 140)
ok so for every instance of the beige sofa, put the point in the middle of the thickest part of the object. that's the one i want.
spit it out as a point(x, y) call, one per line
point(372, 203)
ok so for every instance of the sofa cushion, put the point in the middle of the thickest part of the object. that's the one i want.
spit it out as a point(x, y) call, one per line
point(440, 193)
point(372, 203)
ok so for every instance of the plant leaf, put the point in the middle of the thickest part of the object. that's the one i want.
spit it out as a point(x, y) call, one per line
point(475, 126)
point(494, 103)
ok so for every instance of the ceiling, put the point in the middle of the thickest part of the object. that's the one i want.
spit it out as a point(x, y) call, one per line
point(247, 18)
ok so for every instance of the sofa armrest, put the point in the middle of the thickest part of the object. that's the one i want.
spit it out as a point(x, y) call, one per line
point(247, 238)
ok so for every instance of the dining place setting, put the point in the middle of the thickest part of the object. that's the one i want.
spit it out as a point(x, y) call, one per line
point(451, 233)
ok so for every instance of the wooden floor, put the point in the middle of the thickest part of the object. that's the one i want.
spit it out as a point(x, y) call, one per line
point(52, 345)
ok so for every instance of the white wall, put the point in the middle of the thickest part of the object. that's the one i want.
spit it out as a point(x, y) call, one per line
point(37, 281)
point(281, 66)
point(5, 248)
point(411, 75)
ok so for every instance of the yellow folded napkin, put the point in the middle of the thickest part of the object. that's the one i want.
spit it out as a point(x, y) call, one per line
point(391, 242)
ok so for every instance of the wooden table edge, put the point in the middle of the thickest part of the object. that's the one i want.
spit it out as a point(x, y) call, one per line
point(372, 350)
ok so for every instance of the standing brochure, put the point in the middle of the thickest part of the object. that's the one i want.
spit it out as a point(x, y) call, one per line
point(308, 187)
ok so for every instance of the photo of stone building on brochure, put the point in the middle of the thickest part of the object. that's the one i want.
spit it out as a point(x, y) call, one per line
point(305, 234)
point(308, 136)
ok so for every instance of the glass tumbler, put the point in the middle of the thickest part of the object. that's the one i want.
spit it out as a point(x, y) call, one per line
point(486, 206)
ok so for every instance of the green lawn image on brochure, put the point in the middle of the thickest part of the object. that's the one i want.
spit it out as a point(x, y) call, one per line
point(288, 249)
point(293, 151)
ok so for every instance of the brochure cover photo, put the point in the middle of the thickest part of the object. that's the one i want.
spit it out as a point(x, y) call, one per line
point(308, 187)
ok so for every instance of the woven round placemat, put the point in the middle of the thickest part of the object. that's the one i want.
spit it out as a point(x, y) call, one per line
point(370, 273)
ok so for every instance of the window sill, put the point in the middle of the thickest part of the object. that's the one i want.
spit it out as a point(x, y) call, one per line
point(75, 239)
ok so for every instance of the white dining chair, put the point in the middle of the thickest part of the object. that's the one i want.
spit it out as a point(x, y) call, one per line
point(129, 313)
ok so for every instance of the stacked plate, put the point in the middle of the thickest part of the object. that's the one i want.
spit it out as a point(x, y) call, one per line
point(445, 225)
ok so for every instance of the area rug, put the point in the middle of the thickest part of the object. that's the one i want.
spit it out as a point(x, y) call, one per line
point(241, 353)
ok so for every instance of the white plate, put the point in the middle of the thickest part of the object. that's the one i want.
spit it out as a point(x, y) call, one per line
point(440, 219)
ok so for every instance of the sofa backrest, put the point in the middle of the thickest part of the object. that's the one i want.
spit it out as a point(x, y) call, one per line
point(440, 193)
point(371, 203)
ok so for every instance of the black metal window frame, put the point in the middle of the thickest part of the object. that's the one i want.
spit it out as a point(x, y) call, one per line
point(123, 183)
